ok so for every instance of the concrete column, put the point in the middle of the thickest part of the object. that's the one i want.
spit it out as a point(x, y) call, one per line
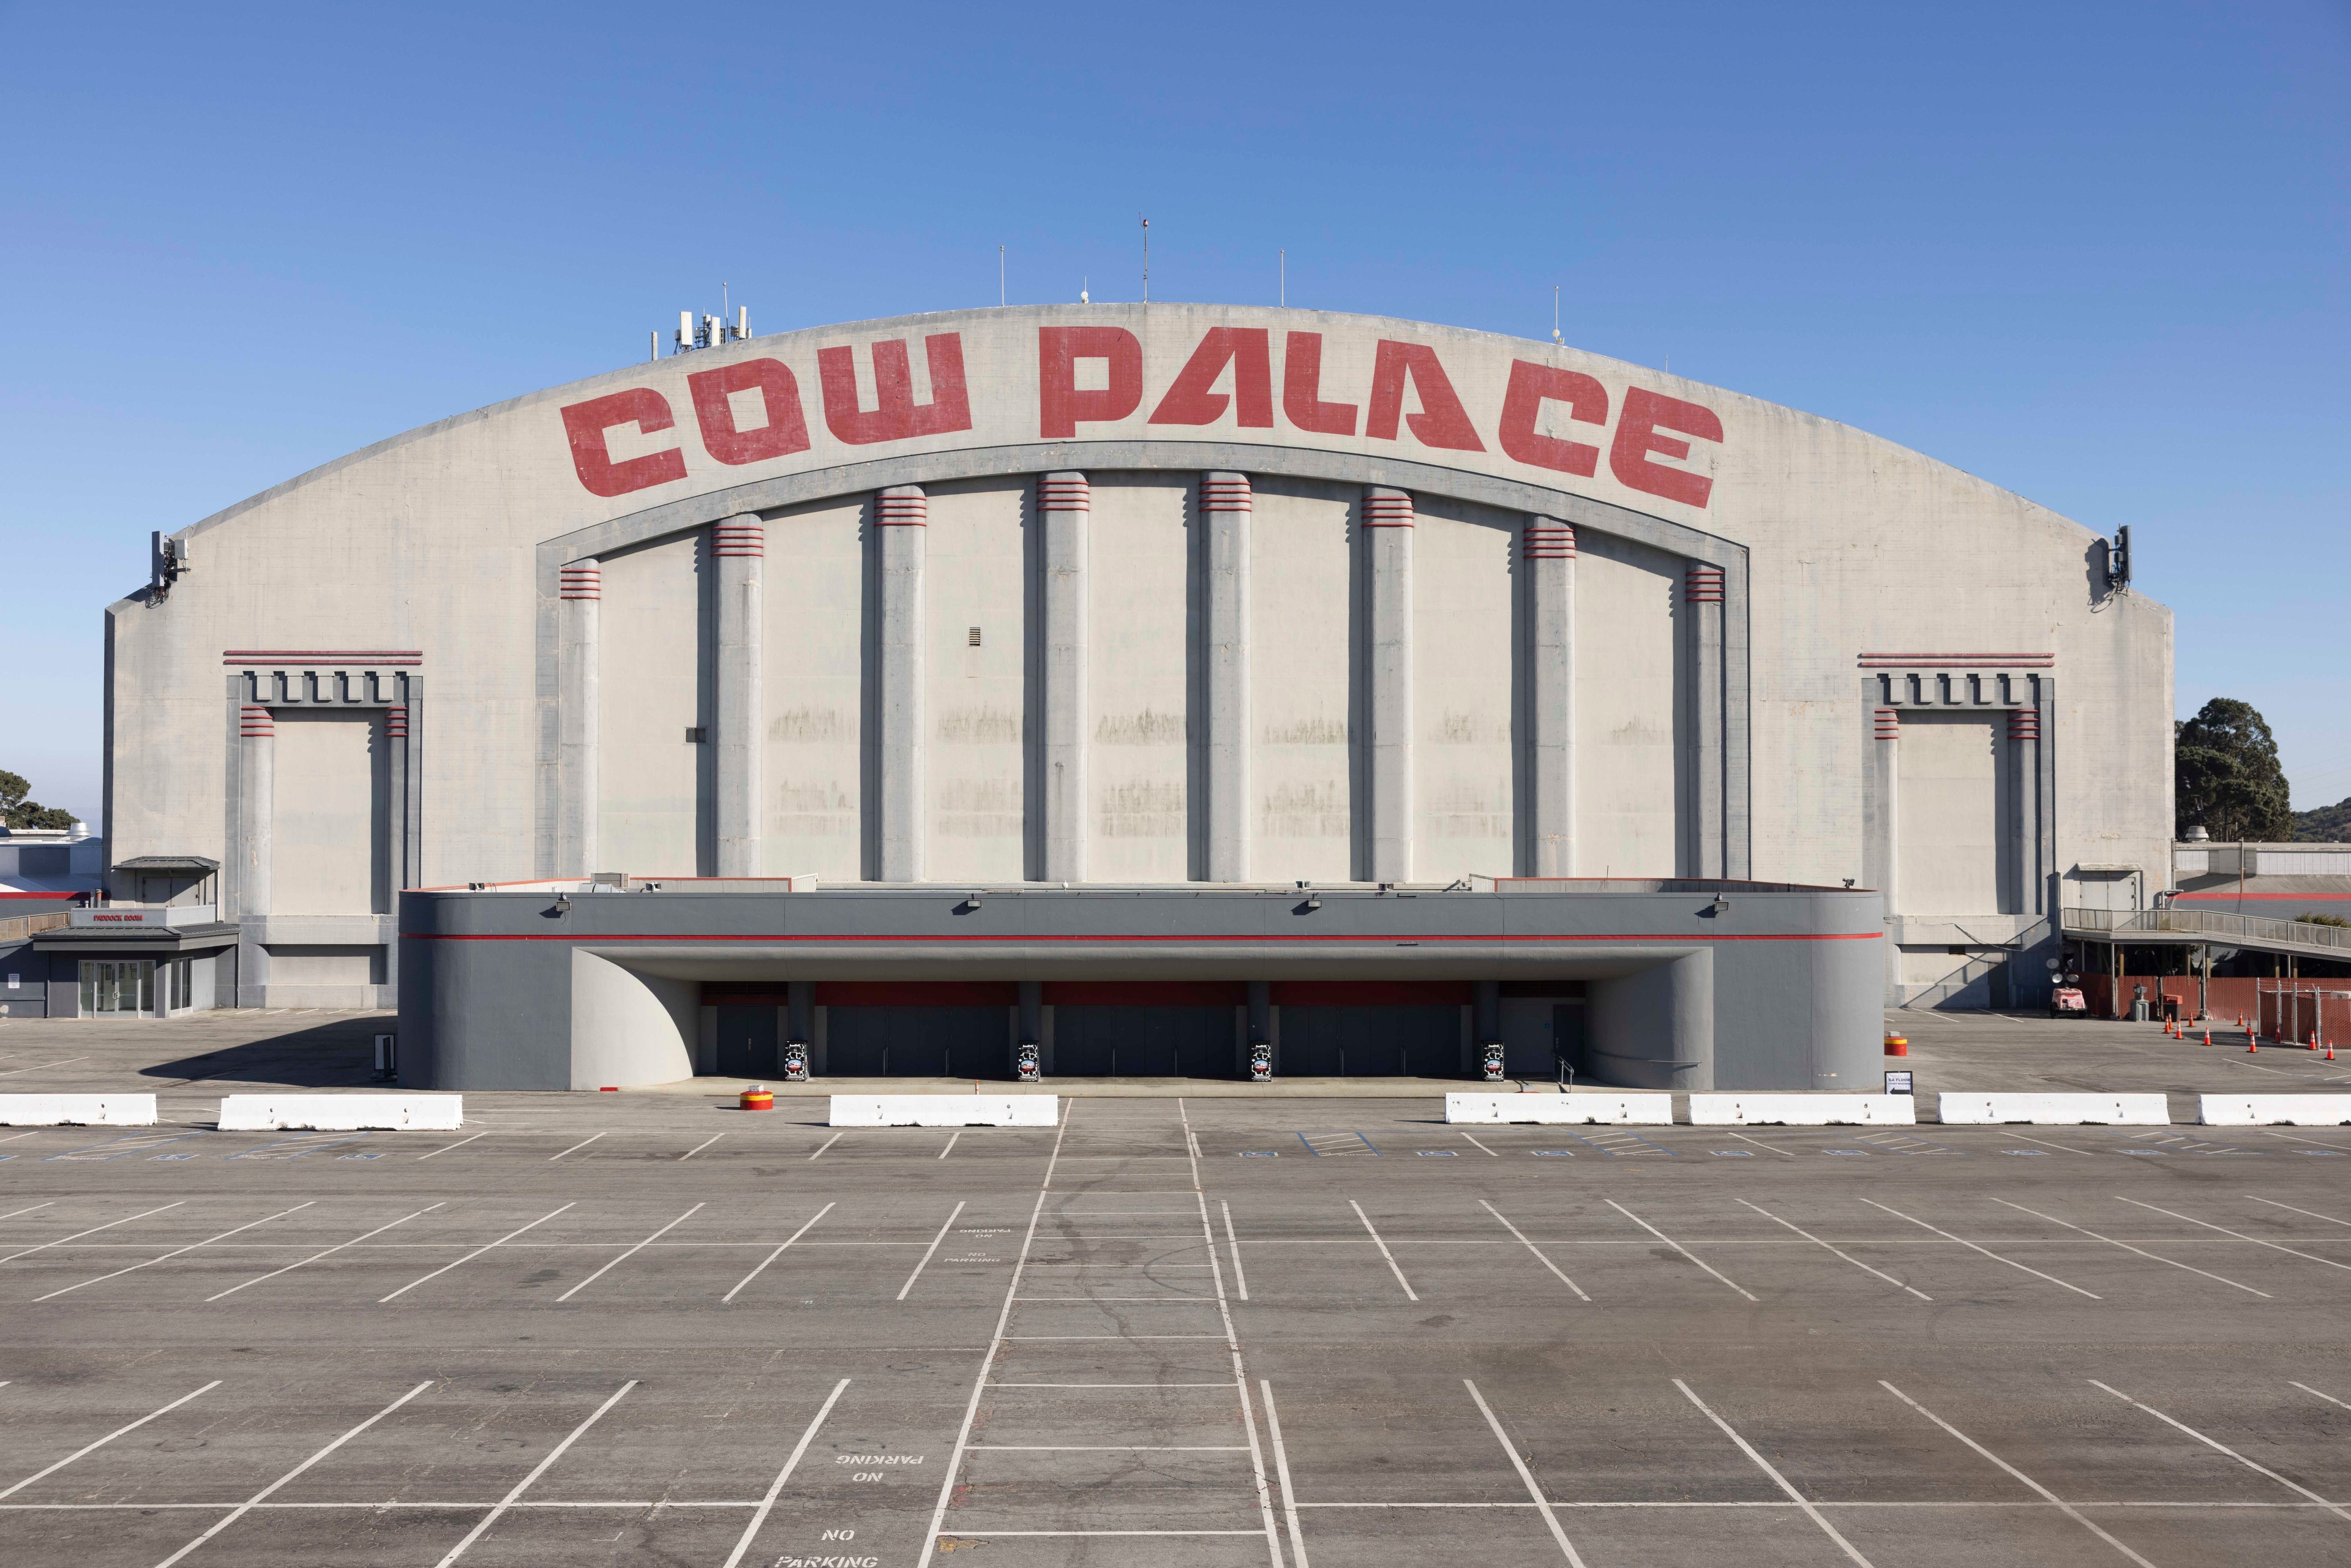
point(1064, 505)
point(2024, 797)
point(579, 589)
point(1548, 554)
point(1260, 1012)
point(1486, 1001)
point(901, 514)
point(257, 783)
point(1387, 540)
point(1032, 1013)
point(737, 547)
point(395, 806)
point(1882, 830)
point(799, 1013)
point(1702, 598)
point(1227, 509)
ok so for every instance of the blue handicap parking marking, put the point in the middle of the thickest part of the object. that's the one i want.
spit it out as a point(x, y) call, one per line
point(1260, 1154)
point(2028, 1154)
point(170, 1156)
point(2321, 1154)
point(1552, 1154)
point(130, 1144)
point(295, 1148)
point(377, 1155)
point(1860, 1152)
point(1734, 1154)
point(1437, 1154)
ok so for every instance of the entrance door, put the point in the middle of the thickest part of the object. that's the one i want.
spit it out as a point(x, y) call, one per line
point(118, 985)
point(1371, 1041)
point(746, 1042)
point(1142, 1042)
point(916, 1043)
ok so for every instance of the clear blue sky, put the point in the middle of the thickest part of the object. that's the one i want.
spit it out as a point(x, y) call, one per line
point(2095, 253)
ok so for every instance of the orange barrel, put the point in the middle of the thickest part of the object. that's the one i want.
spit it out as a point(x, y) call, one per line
point(1897, 1045)
point(758, 1098)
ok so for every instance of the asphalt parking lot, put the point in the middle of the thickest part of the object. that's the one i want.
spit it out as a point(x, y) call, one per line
point(648, 1328)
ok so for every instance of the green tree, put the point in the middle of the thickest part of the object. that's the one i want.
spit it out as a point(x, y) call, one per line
point(15, 811)
point(2226, 777)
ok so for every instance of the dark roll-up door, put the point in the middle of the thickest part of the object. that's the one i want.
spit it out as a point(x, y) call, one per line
point(1371, 1041)
point(915, 1043)
point(746, 1042)
point(1142, 1042)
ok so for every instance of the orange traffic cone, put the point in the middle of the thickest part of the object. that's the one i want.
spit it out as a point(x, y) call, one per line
point(2330, 1051)
point(2252, 1046)
point(2208, 1034)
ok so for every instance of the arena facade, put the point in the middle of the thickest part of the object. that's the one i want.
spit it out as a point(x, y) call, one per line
point(1170, 679)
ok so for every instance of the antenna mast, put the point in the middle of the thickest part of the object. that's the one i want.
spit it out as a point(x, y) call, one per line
point(1147, 258)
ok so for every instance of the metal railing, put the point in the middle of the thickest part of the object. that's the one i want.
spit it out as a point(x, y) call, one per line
point(16, 927)
point(2243, 930)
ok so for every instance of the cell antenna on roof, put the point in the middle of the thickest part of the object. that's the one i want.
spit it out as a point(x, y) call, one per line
point(1554, 316)
point(999, 277)
point(1147, 258)
point(1284, 263)
point(1084, 298)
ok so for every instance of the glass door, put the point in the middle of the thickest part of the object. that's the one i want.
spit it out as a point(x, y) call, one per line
point(118, 985)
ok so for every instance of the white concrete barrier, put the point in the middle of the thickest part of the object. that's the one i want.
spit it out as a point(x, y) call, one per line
point(341, 1113)
point(2055, 1110)
point(2275, 1110)
point(945, 1110)
point(1555, 1109)
point(1818, 1110)
point(76, 1110)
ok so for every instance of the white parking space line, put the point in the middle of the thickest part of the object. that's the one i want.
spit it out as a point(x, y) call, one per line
point(776, 1487)
point(1761, 1144)
point(28, 1207)
point(38, 1066)
point(702, 1146)
point(1847, 1256)
point(1233, 1348)
point(1985, 1250)
point(631, 1252)
point(1526, 1476)
point(471, 1256)
point(330, 1252)
point(1233, 1242)
point(1814, 1514)
point(951, 1143)
point(2305, 1387)
point(131, 1427)
point(93, 1230)
point(249, 1504)
point(175, 1251)
point(1474, 1141)
point(933, 1247)
point(995, 1346)
point(14, 1136)
point(2216, 1447)
point(1281, 1470)
point(1409, 1293)
point(2293, 1138)
point(2047, 1496)
point(2311, 1212)
point(771, 1257)
point(2140, 1250)
point(2026, 1138)
point(826, 1144)
point(446, 1148)
point(1536, 1250)
point(2240, 1234)
point(523, 1485)
point(1680, 1248)
point(576, 1147)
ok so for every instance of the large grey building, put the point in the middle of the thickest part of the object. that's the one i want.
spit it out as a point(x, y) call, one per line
point(1126, 609)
